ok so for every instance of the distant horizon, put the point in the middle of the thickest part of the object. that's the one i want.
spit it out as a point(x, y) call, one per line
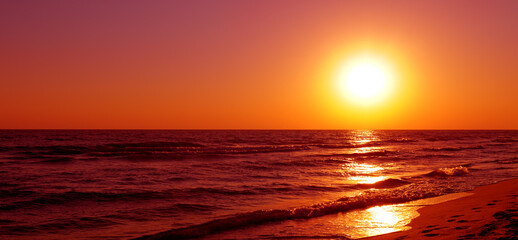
point(266, 129)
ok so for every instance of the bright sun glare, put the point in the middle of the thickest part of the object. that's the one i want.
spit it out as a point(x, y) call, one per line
point(365, 80)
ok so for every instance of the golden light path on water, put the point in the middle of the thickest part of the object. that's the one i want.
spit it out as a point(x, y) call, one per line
point(363, 168)
point(363, 173)
point(359, 168)
point(384, 219)
point(375, 220)
point(364, 136)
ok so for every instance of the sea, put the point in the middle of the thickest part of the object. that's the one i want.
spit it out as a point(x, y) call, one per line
point(234, 184)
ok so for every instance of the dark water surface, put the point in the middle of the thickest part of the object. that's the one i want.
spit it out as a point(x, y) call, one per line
point(118, 184)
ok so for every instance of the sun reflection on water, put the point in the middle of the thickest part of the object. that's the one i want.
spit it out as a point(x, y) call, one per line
point(366, 179)
point(363, 168)
point(385, 219)
point(376, 220)
point(363, 137)
point(361, 173)
point(383, 215)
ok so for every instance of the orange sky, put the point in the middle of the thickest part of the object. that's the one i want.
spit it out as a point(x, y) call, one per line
point(254, 64)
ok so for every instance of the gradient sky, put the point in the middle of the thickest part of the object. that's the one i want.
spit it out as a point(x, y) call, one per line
point(254, 64)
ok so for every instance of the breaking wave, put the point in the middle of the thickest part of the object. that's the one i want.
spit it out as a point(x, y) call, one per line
point(388, 183)
point(395, 191)
point(448, 172)
point(362, 201)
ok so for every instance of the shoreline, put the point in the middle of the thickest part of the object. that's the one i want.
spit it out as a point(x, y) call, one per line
point(490, 212)
point(419, 219)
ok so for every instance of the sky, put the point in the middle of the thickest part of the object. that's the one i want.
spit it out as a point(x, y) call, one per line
point(255, 64)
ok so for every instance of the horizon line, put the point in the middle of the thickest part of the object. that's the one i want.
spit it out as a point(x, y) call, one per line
point(271, 129)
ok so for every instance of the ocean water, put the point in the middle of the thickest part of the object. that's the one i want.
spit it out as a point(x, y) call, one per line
point(118, 184)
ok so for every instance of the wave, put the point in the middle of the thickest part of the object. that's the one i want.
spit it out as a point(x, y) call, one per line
point(145, 149)
point(221, 191)
point(154, 144)
point(311, 162)
point(435, 156)
point(174, 150)
point(511, 160)
point(451, 149)
point(105, 148)
point(50, 150)
point(388, 183)
point(187, 207)
point(386, 142)
point(142, 151)
point(334, 145)
point(63, 224)
point(444, 138)
point(365, 200)
point(499, 144)
point(448, 172)
point(302, 189)
point(400, 140)
point(358, 154)
point(74, 197)
point(368, 144)
point(57, 160)
point(505, 140)
point(16, 193)
point(257, 149)
point(68, 197)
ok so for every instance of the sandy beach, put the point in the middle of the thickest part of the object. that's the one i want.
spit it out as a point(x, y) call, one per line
point(490, 213)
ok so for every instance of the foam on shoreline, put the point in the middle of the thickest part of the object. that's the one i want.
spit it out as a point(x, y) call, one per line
point(491, 212)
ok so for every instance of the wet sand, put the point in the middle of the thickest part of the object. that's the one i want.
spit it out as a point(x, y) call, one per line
point(490, 213)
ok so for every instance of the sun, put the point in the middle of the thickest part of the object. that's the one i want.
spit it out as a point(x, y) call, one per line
point(365, 80)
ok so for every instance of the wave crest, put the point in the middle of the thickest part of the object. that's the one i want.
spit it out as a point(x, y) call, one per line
point(387, 183)
point(448, 172)
point(362, 201)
